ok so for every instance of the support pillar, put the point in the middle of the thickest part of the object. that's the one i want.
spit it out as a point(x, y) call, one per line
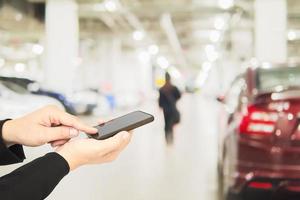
point(62, 40)
point(270, 30)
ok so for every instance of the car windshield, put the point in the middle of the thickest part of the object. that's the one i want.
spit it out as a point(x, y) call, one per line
point(14, 87)
point(285, 77)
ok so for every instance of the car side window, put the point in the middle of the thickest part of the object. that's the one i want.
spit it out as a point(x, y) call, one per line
point(233, 95)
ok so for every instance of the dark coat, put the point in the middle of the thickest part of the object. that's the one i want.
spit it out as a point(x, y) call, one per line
point(168, 96)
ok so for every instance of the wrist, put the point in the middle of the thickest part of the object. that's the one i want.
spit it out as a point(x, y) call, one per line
point(69, 159)
point(8, 133)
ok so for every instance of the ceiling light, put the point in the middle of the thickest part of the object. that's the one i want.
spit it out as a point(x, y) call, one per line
point(219, 23)
point(292, 35)
point(110, 5)
point(163, 62)
point(254, 62)
point(20, 67)
point(201, 78)
point(212, 57)
point(138, 35)
point(37, 49)
point(209, 48)
point(226, 4)
point(266, 65)
point(2, 62)
point(211, 53)
point(153, 49)
point(18, 17)
point(174, 72)
point(206, 66)
point(144, 56)
point(215, 36)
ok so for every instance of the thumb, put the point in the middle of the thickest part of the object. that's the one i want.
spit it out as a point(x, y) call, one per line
point(117, 142)
point(60, 133)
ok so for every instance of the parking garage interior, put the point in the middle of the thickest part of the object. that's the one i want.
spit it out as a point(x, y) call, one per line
point(234, 61)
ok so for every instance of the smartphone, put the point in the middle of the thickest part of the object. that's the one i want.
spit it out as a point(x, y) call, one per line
point(125, 123)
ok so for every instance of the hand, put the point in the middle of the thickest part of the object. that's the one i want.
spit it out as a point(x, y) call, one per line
point(48, 124)
point(80, 152)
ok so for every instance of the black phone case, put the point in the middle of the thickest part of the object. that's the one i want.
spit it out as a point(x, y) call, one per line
point(130, 127)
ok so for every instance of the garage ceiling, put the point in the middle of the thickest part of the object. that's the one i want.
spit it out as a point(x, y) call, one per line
point(178, 26)
point(181, 28)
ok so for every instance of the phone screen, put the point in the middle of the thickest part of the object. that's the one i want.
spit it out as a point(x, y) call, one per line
point(125, 123)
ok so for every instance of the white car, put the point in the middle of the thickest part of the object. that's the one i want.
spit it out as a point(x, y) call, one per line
point(103, 108)
point(14, 104)
point(125, 100)
point(84, 101)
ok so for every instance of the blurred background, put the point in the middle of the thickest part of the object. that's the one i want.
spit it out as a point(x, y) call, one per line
point(235, 61)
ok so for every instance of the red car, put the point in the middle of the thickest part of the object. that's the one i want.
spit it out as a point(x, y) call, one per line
point(259, 148)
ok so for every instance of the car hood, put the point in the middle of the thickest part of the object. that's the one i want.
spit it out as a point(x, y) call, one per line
point(17, 105)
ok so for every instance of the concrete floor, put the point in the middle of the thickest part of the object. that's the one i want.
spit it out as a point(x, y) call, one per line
point(148, 169)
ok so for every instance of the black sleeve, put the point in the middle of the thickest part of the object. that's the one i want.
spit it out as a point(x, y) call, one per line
point(11, 155)
point(35, 180)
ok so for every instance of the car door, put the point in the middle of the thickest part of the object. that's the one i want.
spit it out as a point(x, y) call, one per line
point(231, 105)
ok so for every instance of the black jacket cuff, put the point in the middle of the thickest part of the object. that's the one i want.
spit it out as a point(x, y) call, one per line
point(58, 162)
point(11, 155)
point(35, 180)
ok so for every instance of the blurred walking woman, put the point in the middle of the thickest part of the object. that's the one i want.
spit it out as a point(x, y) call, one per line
point(168, 97)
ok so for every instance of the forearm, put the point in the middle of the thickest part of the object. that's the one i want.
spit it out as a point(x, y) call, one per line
point(35, 180)
point(12, 154)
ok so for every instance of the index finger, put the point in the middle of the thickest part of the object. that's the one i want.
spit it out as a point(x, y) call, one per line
point(118, 142)
point(69, 120)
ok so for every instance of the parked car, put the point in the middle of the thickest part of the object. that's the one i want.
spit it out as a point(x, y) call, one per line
point(259, 146)
point(125, 100)
point(77, 103)
point(15, 104)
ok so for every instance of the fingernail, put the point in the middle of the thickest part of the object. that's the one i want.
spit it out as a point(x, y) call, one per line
point(95, 130)
point(74, 132)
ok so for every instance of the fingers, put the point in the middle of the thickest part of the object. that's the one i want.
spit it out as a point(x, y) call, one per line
point(59, 133)
point(72, 121)
point(101, 121)
point(90, 151)
point(58, 143)
point(116, 143)
point(113, 155)
point(126, 140)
